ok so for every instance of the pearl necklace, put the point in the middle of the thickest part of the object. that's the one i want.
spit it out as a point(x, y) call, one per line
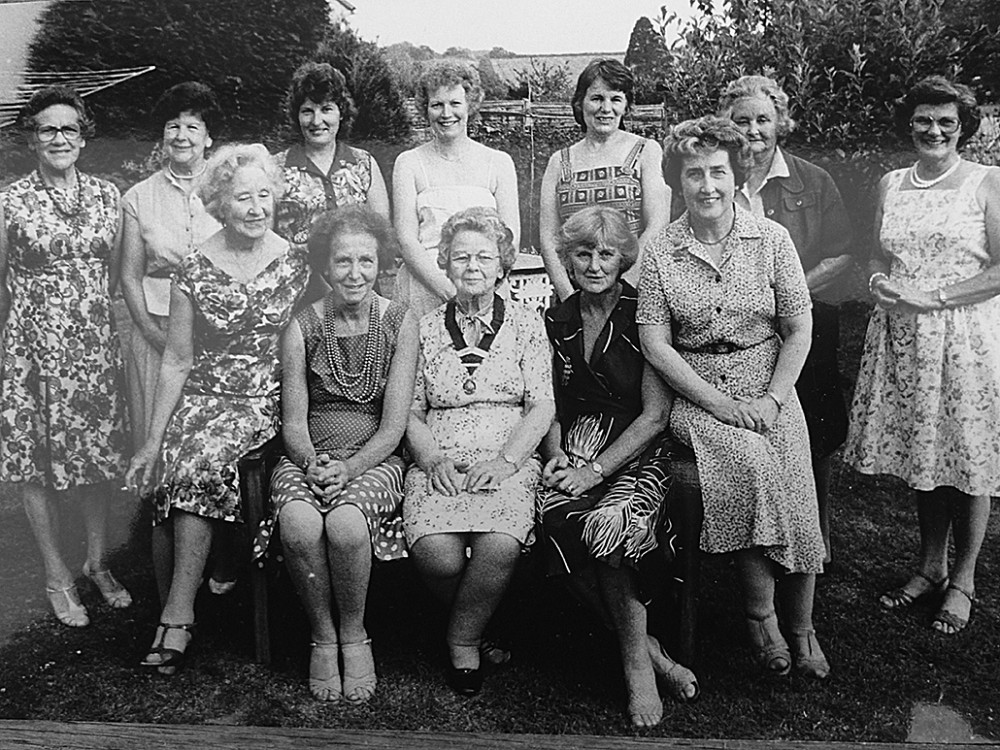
point(199, 173)
point(922, 184)
point(360, 386)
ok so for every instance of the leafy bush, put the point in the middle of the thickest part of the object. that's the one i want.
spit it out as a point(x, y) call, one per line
point(649, 60)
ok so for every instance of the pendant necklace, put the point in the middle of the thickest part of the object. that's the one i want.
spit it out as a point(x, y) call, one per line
point(472, 356)
point(199, 173)
point(922, 184)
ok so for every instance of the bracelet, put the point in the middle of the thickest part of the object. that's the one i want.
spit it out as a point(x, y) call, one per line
point(871, 281)
point(775, 399)
point(942, 298)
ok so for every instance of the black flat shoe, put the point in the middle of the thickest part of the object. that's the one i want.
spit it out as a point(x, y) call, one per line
point(465, 682)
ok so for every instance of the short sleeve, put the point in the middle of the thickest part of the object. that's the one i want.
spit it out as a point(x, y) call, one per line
point(130, 203)
point(536, 358)
point(652, 308)
point(791, 293)
point(181, 275)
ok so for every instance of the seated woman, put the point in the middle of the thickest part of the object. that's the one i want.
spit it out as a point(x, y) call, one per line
point(481, 404)
point(347, 367)
point(217, 394)
point(724, 318)
point(608, 471)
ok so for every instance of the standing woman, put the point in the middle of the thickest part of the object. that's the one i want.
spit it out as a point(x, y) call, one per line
point(609, 166)
point(61, 419)
point(437, 179)
point(927, 403)
point(323, 172)
point(804, 200)
point(724, 318)
point(217, 394)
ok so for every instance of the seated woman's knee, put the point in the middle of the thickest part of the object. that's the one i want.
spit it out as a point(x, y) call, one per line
point(299, 524)
point(346, 526)
point(440, 555)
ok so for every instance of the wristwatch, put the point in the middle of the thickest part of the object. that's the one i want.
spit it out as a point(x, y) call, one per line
point(942, 298)
point(507, 458)
point(596, 467)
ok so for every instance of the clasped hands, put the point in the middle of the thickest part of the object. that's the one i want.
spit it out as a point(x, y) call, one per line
point(889, 294)
point(757, 414)
point(326, 476)
point(560, 474)
point(449, 477)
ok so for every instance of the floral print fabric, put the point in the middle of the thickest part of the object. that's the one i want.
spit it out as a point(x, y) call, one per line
point(61, 417)
point(927, 404)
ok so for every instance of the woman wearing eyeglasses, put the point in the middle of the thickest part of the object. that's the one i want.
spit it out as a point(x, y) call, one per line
point(927, 403)
point(61, 422)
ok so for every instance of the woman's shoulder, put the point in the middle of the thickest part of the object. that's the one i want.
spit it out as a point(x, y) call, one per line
point(107, 189)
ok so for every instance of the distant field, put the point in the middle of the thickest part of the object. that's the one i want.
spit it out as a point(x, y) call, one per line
point(508, 67)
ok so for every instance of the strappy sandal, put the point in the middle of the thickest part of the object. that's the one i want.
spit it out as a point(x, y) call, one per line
point(947, 622)
point(328, 688)
point(809, 659)
point(67, 606)
point(900, 598)
point(644, 714)
point(168, 660)
point(676, 677)
point(116, 595)
point(770, 651)
point(360, 688)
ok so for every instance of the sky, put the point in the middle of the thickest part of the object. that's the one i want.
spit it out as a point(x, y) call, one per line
point(531, 27)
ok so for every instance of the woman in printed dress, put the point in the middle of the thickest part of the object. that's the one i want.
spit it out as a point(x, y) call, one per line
point(217, 394)
point(481, 404)
point(724, 318)
point(927, 403)
point(347, 363)
point(609, 166)
point(608, 469)
point(62, 436)
point(437, 179)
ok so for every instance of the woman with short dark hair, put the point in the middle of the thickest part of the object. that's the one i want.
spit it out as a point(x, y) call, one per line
point(608, 166)
point(927, 401)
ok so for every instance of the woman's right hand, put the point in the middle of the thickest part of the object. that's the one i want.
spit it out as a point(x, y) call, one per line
point(554, 470)
point(885, 292)
point(444, 476)
point(735, 413)
point(156, 337)
point(139, 477)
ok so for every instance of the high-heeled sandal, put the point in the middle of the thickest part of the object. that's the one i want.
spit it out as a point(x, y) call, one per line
point(676, 677)
point(900, 598)
point(360, 688)
point(328, 688)
point(809, 659)
point(67, 606)
point(116, 595)
point(770, 651)
point(168, 660)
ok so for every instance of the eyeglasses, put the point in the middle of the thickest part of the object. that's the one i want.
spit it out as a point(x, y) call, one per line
point(48, 133)
point(463, 259)
point(946, 125)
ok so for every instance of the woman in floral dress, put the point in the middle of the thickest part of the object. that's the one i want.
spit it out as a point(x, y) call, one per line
point(217, 396)
point(61, 421)
point(927, 404)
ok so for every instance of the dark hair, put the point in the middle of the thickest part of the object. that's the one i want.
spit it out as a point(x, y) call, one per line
point(487, 222)
point(598, 226)
point(614, 74)
point(703, 136)
point(320, 82)
point(448, 74)
point(49, 97)
point(352, 219)
point(939, 90)
point(190, 96)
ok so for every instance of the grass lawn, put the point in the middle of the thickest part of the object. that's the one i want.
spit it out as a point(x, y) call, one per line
point(565, 675)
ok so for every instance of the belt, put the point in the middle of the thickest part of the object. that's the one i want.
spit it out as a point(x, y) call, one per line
point(720, 347)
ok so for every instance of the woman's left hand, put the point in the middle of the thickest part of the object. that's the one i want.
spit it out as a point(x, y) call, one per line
point(763, 411)
point(575, 482)
point(328, 476)
point(487, 475)
point(918, 300)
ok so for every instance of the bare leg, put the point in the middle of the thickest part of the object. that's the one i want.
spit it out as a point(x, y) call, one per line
point(94, 501)
point(797, 593)
point(821, 472)
point(440, 560)
point(163, 558)
point(43, 517)
point(934, 517)
point(756, 575)
point(970, 516)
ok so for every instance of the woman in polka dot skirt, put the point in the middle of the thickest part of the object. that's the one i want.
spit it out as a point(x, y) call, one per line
point(348, 364)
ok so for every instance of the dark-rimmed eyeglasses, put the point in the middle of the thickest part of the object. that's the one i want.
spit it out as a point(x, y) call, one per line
point(946, 125)
point(48, 133)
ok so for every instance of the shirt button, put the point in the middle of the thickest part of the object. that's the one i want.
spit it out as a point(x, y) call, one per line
point(718, 309)
point(718, 278)
point(722, 378)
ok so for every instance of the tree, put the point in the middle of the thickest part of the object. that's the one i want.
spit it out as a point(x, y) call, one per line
point(493, 85)
point(542, 82)
point(245, 49)
point(649, 60)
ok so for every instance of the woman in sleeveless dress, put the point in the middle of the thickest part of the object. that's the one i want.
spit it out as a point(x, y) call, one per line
point(437, 179)
point(927, 404)
point(609, 166)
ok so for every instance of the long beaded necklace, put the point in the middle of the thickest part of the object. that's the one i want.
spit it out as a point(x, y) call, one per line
point(922, 184)
point(58, 196)
point(362, 385)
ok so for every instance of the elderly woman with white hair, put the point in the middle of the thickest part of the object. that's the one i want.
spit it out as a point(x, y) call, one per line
point(217, 395)
point(481, 405)
point(803, 198)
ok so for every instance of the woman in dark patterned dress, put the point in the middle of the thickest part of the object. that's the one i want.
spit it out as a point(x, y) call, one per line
point(348, 364)
point(608, 467)
point(217, 395)
point(61, 421)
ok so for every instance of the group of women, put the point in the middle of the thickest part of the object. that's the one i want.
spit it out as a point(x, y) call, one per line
point(454, 425)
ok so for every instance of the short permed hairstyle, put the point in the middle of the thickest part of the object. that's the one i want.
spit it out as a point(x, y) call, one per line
point(320, 82)
point(598, 226)
point(49, 97)
point(614, 74)
point(352, 219)
point(939, 90)
point(488, 223)
point(190, 96)
point(748, 87)
point(215, 183)
point(703, 136)
point(446, 74)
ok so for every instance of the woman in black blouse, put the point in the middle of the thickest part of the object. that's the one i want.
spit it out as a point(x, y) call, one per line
point(607, 473)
